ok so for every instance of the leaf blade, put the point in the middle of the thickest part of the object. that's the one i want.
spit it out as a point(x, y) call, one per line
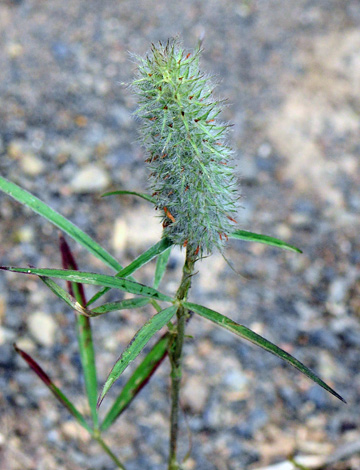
point(84, 334)
point(59, 395)
point(266, 239)
point(258, 340)
point(137, 381)
point(96, 312)
point(133, 193)
point(94, 279)
point(38, 206)
point(140, 261)
point(160, 269)
point(120, 305)
point(145, 257)
point(136, 345)
point(65, 296)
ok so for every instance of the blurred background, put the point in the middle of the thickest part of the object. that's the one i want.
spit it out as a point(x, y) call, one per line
point(291, 73)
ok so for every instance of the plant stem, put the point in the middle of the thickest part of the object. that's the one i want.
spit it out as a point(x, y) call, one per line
point(175, 355)
point(108, 451)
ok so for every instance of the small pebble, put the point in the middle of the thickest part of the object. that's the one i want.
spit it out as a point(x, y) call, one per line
point(14, 50)
point(235, 380)
point(338, 290)
point(120, 233)
point(42, 327)
point(26, 344)
point(248, 170)
point(31, 165)
point(195, 394)
point(2, 308)
point(81, 154)
point(25, 234)
point(71, 430)
point(16, 149)
point(6, 335)
point(90, 179)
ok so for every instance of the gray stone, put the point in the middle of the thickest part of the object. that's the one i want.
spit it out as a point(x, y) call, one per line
point(90, 179)
point(338, 290)
point(235, 380)
point(195, 394)
point(6, 335)
point(32, 165)
point(42, 327)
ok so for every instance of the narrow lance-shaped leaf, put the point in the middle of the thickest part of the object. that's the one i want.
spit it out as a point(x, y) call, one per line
point(250, 335)
point(136, 345)
point(52, 387)
point(160, 269)
point(95, 279)
point(68, 262)
point(29, 200)
point(137, 381)
point(257, 237)
point(84, 333)
point(144, 258)
point(65, 296)
point(102, 309)
point(133, 193)
point(120, 305)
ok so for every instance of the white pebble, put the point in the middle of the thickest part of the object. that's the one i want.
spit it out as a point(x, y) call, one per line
point(90, 179)
point(42, 327)
point(31, 165)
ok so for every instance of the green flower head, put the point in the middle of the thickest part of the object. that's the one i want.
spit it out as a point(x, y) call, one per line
point(190, 175)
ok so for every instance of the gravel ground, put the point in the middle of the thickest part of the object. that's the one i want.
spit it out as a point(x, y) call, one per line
point(291, 71)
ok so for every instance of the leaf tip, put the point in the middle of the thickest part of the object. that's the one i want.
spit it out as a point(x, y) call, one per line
point(100, 400)
point(340, 398)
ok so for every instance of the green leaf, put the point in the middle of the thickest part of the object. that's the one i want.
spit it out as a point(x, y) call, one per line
point(101, 310)
point(84, 333)
point(133, 193)
point(52, 387)
point(120, 305)
point(95, 279)
point(137, 381)
point(63, 295)
point(160, 269)
point(136, 345)
point(250, 335)
point(68, 262)
point(87, 354)
point(27, 199)
point(144, 258)
point(257, 237)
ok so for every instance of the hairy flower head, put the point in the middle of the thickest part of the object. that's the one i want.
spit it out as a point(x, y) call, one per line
point(190, 176)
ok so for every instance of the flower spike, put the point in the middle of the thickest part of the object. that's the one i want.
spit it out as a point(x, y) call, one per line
point(191, 178)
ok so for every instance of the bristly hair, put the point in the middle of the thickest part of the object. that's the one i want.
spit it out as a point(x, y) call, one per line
point(191, 177)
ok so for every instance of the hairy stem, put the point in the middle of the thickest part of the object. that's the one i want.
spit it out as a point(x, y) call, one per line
point(175, 355)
